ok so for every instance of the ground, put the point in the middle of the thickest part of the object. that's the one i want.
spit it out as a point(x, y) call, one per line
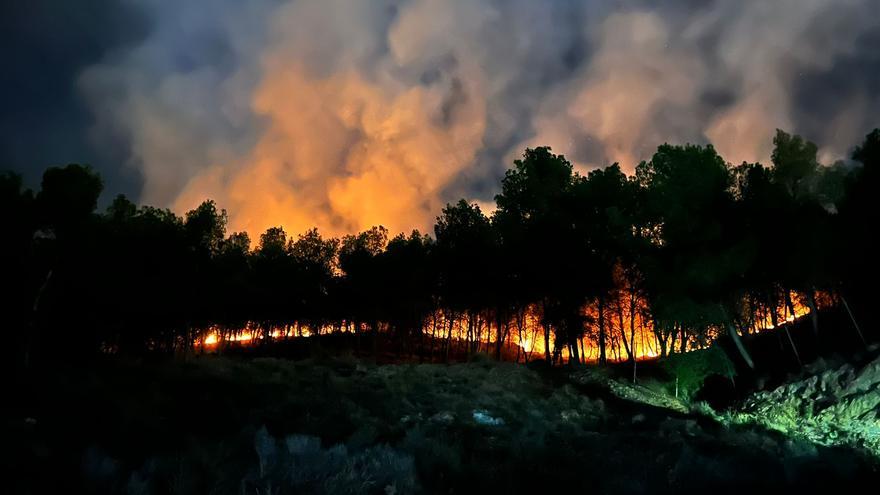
point(218, 425)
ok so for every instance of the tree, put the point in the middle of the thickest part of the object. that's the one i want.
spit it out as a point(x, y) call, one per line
point(205, 227)
point(18, 293)
point(314, 261)
point(542, 249)
point(68, 196)
point(804, 258)
point(794, 163)
point(760, 204)
point(694, 271)
point(690, 244)
point(65, 205)
point(276, 280)
point(358, 292)
point(234, 292)
point(464, 256)
point(604, 211)
point(859, 222)
point(407, 286)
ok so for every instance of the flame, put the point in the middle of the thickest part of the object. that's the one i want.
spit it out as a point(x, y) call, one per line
point(526, 331)
point(785, 315)
point(251, 332)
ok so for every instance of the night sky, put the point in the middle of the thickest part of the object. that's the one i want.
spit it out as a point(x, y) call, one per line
point(345, 114)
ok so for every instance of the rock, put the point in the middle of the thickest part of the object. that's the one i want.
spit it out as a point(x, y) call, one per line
point(570, 415)
point(838, 406)
point(444, 417)
point(691, 428)
point(481, 416)
point(415, 418)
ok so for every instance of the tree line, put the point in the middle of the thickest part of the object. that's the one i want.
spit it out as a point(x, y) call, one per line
point(689, 246)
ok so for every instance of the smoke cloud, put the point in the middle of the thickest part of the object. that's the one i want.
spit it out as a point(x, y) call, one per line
point(347, 114)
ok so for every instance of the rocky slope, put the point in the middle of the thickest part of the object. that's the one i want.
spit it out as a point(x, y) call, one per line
point(836, 406)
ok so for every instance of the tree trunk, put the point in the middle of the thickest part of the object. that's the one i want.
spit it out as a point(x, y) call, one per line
point(448, 338)
point(853, 319)
point(632, 329)
point(793, 347)
point(520, 316)
point(790, 304)
point(814, 313)
point(602, 357)
point(499, 339)
point(774, 317)
point(661, 338)
point(470, 334)
point(31, 339)
point(375, 332)
point(736, 340)
point(573, 351)
point(547, 356)
point(627, 343)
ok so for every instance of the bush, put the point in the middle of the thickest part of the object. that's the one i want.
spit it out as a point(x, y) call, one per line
point(688, 371)
point(300, 465)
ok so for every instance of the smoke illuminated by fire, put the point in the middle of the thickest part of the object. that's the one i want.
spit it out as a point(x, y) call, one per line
point(343, 114)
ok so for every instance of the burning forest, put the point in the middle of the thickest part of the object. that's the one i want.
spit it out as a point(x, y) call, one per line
point(626, 324)
point(568, 267)
point(670, 288)
point(440, 246)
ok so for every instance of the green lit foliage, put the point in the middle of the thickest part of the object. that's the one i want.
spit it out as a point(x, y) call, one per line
point(834, 405)
point(688, 371)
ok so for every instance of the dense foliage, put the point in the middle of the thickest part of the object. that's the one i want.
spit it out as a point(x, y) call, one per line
point(703, 243)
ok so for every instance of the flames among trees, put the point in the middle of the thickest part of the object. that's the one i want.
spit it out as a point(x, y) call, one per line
point(569, 267)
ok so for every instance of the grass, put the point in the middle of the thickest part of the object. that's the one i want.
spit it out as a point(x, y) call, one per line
point(217, 425)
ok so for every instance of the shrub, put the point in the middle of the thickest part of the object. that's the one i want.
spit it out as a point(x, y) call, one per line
point(299, 464)
point(689, 370)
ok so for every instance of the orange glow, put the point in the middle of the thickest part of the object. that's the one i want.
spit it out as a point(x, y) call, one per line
point(785, 315)
point(344, 153)
point(626, 326)
point(214, 336)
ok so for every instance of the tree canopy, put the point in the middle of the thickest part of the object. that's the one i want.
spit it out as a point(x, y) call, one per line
point(690, 246)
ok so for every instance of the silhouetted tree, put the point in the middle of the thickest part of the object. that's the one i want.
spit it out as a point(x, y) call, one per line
point(464, 254)
point(689, 244)
point(694, 269)
point(537, 230)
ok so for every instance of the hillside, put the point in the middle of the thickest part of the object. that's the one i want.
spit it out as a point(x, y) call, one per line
point(217, 425)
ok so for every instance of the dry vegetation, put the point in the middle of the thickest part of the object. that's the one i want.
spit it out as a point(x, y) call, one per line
point(215, 425)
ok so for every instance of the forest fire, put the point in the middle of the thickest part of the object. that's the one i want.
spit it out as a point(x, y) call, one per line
point(252, 332)
point(793, 307)
point(629, 332)
point(432, 246)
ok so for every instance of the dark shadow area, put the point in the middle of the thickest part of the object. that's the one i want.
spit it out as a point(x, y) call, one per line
point(196, 426)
